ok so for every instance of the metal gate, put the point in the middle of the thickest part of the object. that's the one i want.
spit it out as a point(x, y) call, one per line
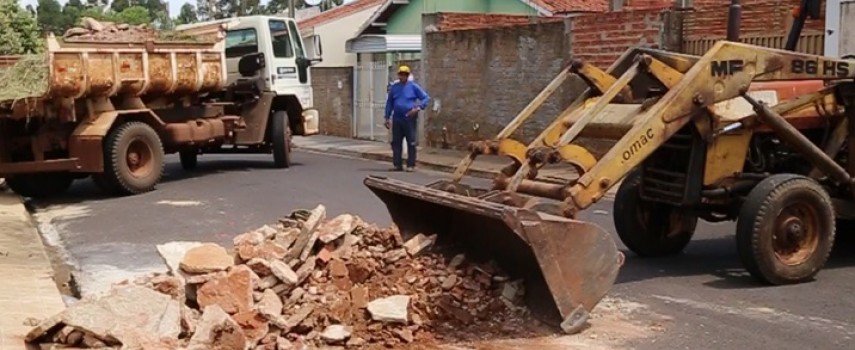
point(372, 78)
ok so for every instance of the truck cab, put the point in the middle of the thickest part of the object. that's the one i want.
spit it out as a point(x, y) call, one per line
point(284, 68)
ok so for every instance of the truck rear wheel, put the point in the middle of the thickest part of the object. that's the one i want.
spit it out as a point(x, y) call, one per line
point(650, 229)
point(133, 159)
point(40, 185)
point(280, 136)
point(785, 230)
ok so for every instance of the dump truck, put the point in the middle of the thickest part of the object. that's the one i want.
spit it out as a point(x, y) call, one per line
point(744, 133)
point(112, 109)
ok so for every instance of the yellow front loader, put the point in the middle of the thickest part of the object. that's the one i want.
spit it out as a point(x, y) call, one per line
point(744, 133)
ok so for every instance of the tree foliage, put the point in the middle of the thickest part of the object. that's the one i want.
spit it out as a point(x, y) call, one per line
point(19, 30)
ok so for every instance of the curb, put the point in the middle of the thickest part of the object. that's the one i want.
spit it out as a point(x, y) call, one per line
point(474, 172)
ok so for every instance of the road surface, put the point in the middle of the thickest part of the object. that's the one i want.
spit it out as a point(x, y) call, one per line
point(702, 299)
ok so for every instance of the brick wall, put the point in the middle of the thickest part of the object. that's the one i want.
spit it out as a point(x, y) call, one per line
point(463, 21)
point(600, 39)
point(767, 17)
point(333, 94)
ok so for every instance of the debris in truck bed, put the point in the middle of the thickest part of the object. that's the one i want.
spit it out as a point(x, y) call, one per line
point(360, 286)
point(26, 78)
point(93, 30)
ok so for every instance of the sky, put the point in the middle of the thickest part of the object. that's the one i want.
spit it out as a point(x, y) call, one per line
point(174, 6)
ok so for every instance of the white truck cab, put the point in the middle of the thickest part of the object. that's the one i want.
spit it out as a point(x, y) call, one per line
point(287, 61)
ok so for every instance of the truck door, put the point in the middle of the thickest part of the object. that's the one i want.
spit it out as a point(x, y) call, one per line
point(289, 65)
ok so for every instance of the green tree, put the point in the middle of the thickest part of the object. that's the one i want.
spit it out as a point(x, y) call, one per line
point(134, 15)
point(49, 16)
point(120, 5)
point(187, 14)
point(19, 30)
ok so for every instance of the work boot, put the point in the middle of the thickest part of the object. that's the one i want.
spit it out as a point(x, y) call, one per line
point(411, 169)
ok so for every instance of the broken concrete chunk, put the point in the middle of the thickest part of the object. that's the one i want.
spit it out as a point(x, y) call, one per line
point(267, 282)
point(267, 231)
point(395, 255)
point(132, 316)
point(297, 317)
point(270, 305)
point(172, 254)
point(390, 309)
point(456, 261)
point(260, 266)
point(267, 250)
point(337, 227)
point(418, 243)
point(253, 324)
point(206, 258)
point(514, 290)
point(233, 293)
point(201, 279)
point(283, 343)
point(248, 238)
point(308, 231)
point(336, 333)
point(305, 271)
point(287, 238)
point(337, 268)
point(216, 330)
point(405, 334)
point(284, 273)
point(92, 24)
point(449, 282)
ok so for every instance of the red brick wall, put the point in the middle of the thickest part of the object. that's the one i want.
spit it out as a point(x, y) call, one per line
point(461, 21)
point(758, 17)
point(647, 4)
point(600, 39)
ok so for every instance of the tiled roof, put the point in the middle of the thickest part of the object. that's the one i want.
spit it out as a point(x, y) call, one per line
point(338, 12)
point(565, 6)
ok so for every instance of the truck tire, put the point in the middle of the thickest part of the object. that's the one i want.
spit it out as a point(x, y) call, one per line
point(133, 159)
point(40, 185)
point(280, 137)
point(650, 229)
point(189, 159)
point(785, 229)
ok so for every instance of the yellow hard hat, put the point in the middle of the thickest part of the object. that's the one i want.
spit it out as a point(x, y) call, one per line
point(404, 69)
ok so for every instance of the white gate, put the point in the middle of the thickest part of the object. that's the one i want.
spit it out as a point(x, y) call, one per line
point(372, 78)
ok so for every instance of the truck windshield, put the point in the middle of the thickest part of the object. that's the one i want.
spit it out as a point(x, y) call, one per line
point(283, 46)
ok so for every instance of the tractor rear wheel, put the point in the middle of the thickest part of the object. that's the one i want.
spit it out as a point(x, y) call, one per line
point(133, 159)
point(785, 230)
point(650, 229)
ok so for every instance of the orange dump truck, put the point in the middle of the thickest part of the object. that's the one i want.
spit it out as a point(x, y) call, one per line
point(111, 110)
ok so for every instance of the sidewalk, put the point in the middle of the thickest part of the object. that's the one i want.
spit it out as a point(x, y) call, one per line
point(428, 158)
point(28, 289)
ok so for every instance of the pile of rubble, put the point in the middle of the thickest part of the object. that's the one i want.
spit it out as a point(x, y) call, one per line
point(94, 30)
point(306, 282)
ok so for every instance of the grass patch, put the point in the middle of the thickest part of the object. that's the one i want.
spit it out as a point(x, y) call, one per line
point(27, 78)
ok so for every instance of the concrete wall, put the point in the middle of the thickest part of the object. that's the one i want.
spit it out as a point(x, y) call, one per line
point(481, 78)
point(333, 92)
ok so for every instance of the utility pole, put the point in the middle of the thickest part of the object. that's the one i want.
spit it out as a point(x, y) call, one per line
point(291, 10)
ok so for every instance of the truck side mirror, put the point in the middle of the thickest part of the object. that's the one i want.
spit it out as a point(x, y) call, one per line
point(317, 49)
point(249, 65)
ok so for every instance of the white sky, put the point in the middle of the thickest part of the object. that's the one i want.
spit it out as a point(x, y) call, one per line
point(174, 6)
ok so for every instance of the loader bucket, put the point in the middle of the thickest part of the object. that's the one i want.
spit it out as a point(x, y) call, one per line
point(568, 265)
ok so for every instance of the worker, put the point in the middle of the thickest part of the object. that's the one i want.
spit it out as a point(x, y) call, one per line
point(403, 103)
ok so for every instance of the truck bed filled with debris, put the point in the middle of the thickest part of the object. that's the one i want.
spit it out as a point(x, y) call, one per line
point(103, 59)
point(307, 281)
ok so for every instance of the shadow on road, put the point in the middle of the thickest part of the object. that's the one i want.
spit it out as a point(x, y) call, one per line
point(719, 258)
point(86, 190)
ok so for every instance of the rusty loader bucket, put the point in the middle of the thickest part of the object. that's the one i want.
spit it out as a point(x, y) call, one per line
point(568, 265)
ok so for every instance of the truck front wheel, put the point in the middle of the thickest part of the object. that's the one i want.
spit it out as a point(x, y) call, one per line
point(133, 159)
point(280, 137)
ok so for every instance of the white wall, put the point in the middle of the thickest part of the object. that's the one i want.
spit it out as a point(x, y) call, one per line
point(335, 33)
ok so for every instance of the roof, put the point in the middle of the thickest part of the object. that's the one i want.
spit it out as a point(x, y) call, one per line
point(567, 6)
point(339, 12)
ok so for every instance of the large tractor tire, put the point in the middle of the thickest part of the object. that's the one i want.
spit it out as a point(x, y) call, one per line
point(40, 185)
point(133, 159)
point(785, 230)
point(280, 137)
point(650, 229)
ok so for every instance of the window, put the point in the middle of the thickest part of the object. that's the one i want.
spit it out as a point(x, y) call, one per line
point(241, 42)
point(298, 40)
point(281, 39)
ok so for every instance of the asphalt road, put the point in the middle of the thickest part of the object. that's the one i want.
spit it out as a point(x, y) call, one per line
point(705, 297)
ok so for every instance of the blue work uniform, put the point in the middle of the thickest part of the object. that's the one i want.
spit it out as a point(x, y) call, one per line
point(401, 99)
